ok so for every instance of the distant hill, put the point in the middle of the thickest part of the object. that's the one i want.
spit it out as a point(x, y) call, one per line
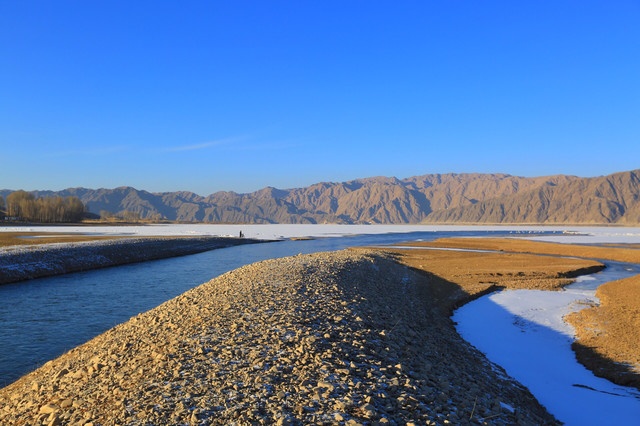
point(600, 200)
point(434, 198)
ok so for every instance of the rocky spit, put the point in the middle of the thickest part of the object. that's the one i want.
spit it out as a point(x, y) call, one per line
point(19, 263)
point(346, 337)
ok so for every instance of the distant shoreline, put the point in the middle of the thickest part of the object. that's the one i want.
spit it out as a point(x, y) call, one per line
point(97, 223)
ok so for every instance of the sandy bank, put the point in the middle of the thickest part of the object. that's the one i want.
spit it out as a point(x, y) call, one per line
point(18, 263)
point(347, 337)
point(608, 335)
point(608, 340)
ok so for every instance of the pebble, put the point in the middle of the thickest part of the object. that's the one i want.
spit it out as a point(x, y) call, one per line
point(289, 341)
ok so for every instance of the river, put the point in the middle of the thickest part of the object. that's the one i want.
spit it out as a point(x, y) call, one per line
point(41, 319)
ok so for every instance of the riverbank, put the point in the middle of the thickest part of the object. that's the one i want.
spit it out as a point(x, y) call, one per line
point(333, 337)
point(608, 334)
point(343, 337)
point(23, 262)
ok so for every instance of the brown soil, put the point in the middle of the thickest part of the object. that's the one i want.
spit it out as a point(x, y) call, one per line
point(515, 245)
point(622, 245)
point(608, 335)
point(475, 273)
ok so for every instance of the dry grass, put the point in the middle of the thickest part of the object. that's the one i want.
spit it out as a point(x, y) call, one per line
point(31, 238)
point(628, 253)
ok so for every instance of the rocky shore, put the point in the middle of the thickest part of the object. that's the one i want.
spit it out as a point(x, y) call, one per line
point(19, 263)
point(349, 337)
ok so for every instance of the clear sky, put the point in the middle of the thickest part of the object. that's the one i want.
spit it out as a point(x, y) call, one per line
point(239, 95)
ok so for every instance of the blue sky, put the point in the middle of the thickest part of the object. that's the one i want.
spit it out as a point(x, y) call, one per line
point(239, 95)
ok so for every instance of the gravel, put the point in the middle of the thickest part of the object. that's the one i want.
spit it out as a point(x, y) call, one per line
point(346, 337)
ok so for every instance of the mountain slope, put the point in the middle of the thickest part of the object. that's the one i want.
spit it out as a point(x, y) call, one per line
point(433, 198)
point(606, 199)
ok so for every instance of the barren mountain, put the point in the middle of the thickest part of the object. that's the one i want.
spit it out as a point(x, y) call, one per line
point(607, 199)
point(434, 198)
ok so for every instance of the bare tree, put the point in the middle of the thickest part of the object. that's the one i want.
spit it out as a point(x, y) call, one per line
point(18, 204)
point(22, 205)
point(130, 216)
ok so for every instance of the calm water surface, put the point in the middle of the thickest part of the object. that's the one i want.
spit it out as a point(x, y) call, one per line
point(41, 319)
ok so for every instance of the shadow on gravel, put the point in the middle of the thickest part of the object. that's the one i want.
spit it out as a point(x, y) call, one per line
point(446, 296)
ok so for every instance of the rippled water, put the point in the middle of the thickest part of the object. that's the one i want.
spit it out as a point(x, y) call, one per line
point(41, 319)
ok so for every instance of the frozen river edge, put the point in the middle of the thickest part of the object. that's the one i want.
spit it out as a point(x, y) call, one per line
point(19, 263)
point(525, 332)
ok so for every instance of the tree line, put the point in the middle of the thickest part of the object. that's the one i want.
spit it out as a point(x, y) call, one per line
point(24, 206)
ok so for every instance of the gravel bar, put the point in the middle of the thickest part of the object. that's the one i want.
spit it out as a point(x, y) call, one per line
point(348, 337)
point(19, 263)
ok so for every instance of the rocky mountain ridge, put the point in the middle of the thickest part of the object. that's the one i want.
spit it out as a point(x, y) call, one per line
point(432, 198)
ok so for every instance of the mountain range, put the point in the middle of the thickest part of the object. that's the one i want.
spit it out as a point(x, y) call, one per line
point(433, 198)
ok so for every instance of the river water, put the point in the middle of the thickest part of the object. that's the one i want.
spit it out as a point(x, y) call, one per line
point(41, 319)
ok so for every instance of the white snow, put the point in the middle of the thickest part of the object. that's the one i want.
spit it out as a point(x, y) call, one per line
point(570, 234)
point(594, 235)
point(567, 234)
point(272, 231)
point(507, 407)
point(249, 231)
